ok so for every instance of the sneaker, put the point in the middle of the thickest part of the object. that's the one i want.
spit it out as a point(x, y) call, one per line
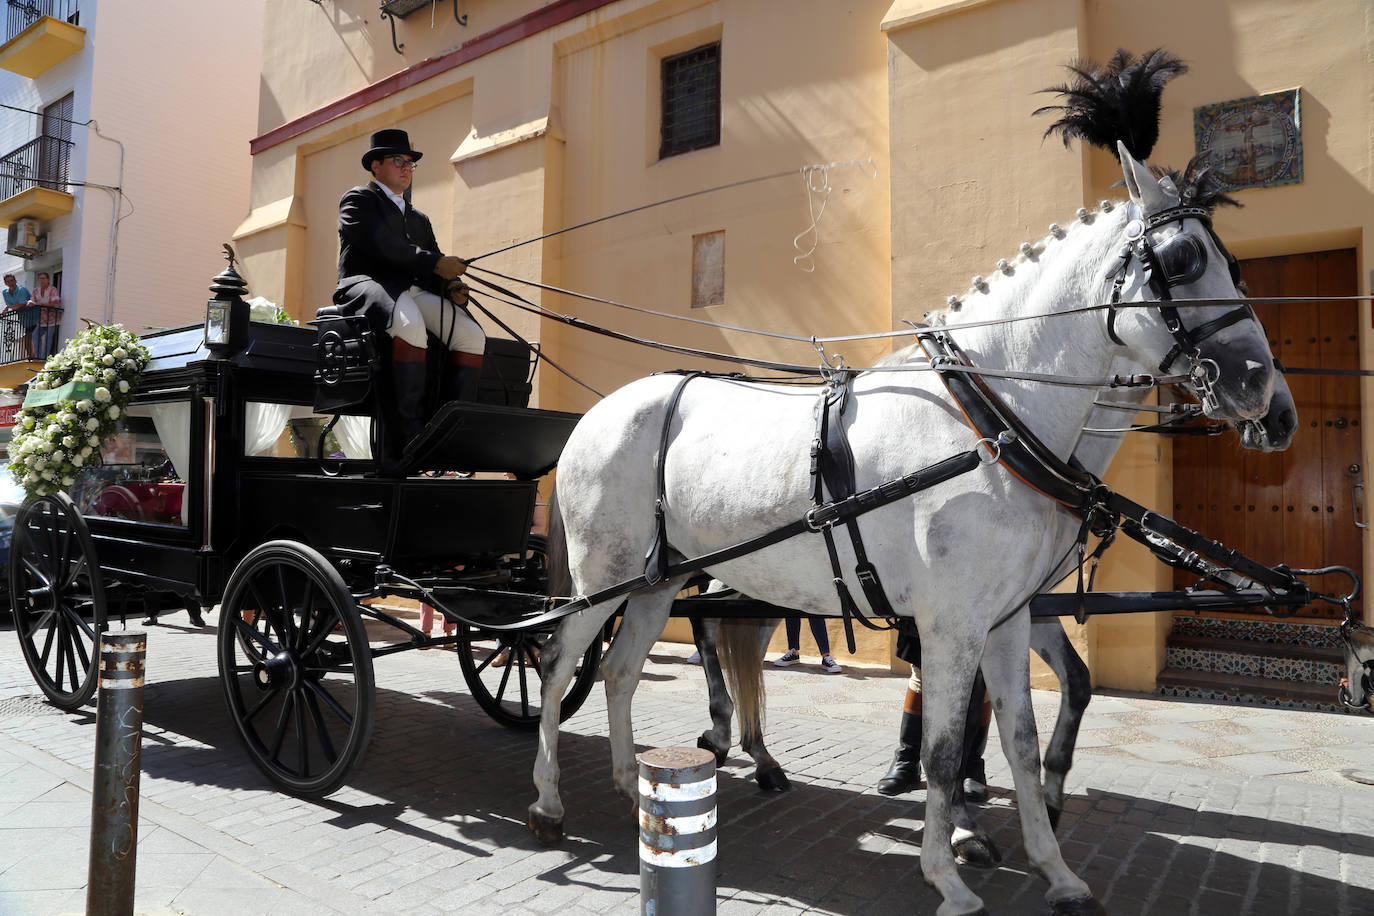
point(788, 658)
point(830, 666)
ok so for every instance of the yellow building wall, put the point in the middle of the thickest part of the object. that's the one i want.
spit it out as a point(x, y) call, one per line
point(561, 127)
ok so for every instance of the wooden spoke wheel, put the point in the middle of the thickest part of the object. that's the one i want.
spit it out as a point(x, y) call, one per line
point(296, 667)
point(58, 600)
point(504, 671)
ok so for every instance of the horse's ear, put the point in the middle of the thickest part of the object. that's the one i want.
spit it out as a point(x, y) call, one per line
point(1140, 184)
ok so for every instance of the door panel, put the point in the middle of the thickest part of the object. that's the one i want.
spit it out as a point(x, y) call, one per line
point(1296, 506)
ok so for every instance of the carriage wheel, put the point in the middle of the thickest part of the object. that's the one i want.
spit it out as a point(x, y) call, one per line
point(57, 596)
point(296, 667)
point(504, 671)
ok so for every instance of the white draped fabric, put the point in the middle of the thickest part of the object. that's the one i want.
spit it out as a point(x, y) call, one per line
point(264, 423)
point(172, 421)
point(354, 434)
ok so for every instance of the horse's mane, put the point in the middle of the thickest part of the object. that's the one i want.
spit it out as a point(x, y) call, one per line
point(1027, 259)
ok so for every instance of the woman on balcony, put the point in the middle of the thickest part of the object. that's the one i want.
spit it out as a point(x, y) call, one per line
point(49, 302)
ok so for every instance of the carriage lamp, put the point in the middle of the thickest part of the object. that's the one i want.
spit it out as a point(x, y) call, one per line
point(226, 314)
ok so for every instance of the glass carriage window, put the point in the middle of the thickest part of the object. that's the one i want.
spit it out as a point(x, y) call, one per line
point(691, 101)
point(293, 431)
point(138, 472)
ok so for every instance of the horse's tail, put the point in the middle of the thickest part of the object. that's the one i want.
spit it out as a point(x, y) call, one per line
point(742, 662)
point(559, 575)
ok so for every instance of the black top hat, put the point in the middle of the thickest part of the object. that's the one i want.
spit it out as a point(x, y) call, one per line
point(390, 142)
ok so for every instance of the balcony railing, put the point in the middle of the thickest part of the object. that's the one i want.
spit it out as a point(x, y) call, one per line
point(29, 333)
point(43, 162)
point(23, 13)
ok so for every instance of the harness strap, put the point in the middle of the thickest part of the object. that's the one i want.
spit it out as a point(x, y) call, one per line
point(656, 558)
point(1200, 333)
point(832, 466)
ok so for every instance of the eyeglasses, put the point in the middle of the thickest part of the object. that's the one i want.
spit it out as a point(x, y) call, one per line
point(401, 162)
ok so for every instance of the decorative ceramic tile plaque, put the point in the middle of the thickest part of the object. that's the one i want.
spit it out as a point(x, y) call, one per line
point(1254, 142)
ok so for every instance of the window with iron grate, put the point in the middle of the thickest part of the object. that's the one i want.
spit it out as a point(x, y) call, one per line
point(691, 101)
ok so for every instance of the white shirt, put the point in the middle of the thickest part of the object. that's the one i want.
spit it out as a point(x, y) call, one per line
point(396, 199)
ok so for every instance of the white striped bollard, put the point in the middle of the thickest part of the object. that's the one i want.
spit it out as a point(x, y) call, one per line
point(114, 796)
point(677, 832)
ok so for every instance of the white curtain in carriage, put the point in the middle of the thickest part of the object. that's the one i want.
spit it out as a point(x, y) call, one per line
point(172, 420)
point(355, 435)
point(263, 425)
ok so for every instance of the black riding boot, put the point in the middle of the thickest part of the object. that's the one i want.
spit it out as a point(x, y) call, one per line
point(905, 772)
point(461, 377)
point(408, 375)
point(976, 723)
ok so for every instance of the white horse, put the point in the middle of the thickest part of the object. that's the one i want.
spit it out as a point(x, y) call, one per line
point(960, 557)
point(748, 639)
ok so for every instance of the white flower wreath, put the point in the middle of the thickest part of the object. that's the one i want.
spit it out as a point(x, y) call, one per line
point(73, 406)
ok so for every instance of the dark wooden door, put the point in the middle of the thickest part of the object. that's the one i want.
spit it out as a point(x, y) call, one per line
point(1297, 506)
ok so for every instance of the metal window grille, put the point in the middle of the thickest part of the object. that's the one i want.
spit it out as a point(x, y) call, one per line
point(691, 101)
point(20, 14)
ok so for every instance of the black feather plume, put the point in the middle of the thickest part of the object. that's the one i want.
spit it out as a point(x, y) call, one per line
point(1117, 102)
point(1197, 185)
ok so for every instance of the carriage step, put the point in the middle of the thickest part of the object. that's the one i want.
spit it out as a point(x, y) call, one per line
point(1252, 659)
point(1246, 690)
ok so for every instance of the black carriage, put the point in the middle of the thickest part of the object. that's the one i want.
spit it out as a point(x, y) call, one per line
point(246, 475)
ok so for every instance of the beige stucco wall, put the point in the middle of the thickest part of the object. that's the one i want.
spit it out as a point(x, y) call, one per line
point(561, 127)
point(971, 157)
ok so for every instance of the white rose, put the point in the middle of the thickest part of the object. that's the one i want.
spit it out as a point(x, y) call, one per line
point(94, 440)
point(114, 413)
point(54, 430)
point(130, 365)
point(85, 450)
point(58, 455)
point(92, 424)
point(69, 441)
point(68, 481)
point(120, 352)
point(110, 375)
point(31, 461)
point(102, 394)
point(78, 461)
point(123, 386)
point(85, 405)
point(48, 475)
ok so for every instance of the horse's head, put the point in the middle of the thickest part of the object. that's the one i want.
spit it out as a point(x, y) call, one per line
point(1171, 253)
point(1357, 688)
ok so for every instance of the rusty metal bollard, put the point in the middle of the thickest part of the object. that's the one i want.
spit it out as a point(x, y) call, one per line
point(677, 832)
point(114, 795)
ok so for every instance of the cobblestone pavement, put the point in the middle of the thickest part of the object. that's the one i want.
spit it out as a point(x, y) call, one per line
point(1177, 807)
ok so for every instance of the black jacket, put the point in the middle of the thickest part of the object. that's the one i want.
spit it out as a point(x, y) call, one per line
point(382, 253)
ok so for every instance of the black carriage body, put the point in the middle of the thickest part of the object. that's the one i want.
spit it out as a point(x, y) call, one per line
point(358, 521)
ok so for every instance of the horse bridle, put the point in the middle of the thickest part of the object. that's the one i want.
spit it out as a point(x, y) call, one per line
point(1176, 262)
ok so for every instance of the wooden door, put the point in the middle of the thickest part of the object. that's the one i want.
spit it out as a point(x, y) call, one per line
point(1297, 506)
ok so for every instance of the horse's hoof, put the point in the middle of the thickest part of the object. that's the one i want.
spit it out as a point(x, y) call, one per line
point(1054, 811)
point(977, 851)
point(774, 780)
point(548, 831)
point(1077, 906)
point(706, 745)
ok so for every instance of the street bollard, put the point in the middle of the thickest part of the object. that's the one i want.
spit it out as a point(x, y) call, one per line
point(114, 795)
point(677, 832)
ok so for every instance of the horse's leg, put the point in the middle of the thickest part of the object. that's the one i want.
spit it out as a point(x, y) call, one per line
point(558, 660)
point(645, 615)
point(716, 739)
point(946, 682)
point(1006, 666)
point(1052, 644)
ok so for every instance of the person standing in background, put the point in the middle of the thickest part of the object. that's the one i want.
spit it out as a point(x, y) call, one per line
point(49, 316)
point(17, 300)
